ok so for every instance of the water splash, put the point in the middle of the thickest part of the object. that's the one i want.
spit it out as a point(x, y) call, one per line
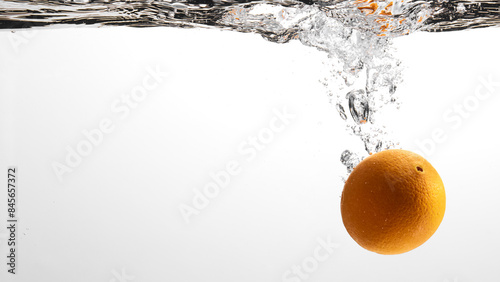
point(363, 75)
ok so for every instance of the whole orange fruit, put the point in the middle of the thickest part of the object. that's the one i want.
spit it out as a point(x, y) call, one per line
point(392, 202)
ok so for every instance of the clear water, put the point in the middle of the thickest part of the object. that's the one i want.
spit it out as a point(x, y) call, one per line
point(363, 75)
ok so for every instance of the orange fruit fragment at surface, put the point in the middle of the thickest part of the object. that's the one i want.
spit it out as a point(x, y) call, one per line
point(393, 201)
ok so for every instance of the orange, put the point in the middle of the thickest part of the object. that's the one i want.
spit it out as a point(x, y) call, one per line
point(392, 202)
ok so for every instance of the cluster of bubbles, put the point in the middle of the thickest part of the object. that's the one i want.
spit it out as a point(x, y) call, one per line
point(363, 74)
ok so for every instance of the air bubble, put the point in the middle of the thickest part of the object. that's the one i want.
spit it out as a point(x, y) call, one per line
point(358, 106)
point(350, 160)
point(341, 111)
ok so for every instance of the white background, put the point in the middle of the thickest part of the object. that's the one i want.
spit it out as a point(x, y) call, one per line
point(116, 216)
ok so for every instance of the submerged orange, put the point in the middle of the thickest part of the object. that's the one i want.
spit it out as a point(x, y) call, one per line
point(392, 202)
